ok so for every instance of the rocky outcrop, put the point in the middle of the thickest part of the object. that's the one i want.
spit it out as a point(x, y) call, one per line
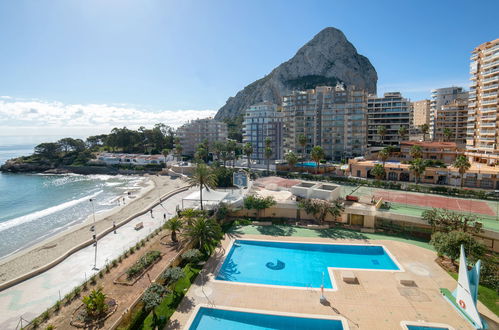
point(325, 60)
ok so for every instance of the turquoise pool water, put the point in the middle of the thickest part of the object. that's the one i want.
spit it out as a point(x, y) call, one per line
point(307, 164)
point(298, 264)
point(211, 319)
point(418, 327)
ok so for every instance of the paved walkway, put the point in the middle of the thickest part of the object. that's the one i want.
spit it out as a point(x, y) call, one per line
point(31, 297)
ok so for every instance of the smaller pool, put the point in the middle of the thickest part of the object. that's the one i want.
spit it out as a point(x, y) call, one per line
point(307, 164)
point(215, 319)
point(422, 327)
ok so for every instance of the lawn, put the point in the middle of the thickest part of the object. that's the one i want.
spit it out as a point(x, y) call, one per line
point(333, 233)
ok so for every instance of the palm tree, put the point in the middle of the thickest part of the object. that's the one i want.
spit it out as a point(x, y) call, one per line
point(382, 132)
point(403, 133)
point(178, 148)
point(248, 151)
point(302, 140)
point(416, 152)
point(202, 231)
point(165, 153)
point(291, 158)
point(174, 225)
point(462, 164)
point(231, 148)
point(447, 134)
point(424, 129)
point(378, 171)
point(418, 166)
point(383, 155)
point(317, 155)
point(218, 147)
point(204, 178)
point(320, 208)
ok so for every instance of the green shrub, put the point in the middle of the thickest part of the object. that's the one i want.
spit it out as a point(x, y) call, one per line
point(153, 295)
point(144, 262)
point(35, 323)
point(192, 255)
point(93, 280)
point(101, 274)
point(95, 302)
point(449, 245)
point(45, 315)
point(57, 305)
point(77, 291)
point(172, 274)
point(50, 327)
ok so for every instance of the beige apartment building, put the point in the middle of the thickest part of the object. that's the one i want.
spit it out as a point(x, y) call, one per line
point(482, 143)
point(440, 98)
point(197, 131)
point(421, 112)
point(334, 118)
point(450, 122)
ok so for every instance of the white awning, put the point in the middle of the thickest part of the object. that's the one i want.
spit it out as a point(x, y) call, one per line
point(208, 195)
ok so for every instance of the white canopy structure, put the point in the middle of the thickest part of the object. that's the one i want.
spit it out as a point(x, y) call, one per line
point(211, 198)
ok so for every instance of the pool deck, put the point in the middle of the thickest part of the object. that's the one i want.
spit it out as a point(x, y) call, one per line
point(378, 301)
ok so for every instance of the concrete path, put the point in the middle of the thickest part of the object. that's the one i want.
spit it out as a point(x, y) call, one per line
point(31, 297)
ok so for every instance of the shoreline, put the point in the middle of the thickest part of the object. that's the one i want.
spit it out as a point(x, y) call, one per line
point(145, 186)
point(48, 250)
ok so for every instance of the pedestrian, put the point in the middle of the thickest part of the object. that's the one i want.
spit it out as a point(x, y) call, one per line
point(151, 214)
point(164, 216)
point(114, 227)
point(123, 200)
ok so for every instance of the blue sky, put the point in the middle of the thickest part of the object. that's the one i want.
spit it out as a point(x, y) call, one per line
point(158, 57)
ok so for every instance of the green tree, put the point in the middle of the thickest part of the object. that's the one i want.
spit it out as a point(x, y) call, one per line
point(232, 150)
point(382, 133)
point(292, 159)
point(218, 147)
point(445, 221)
point(268, 153)
point(320, 208)
point(403, 132)
point(416, 152)
point(424, 129)
point(48, 150)
point(463, 165)
point(383, 155)
point(253, 202)
point(95, 303)
point(302, 141)
point(203, 231)
point(417, 167)
point(447, 134)
point(204, 178)
point(449, 245)
point(165, 153)
point(317, 155)
point(248, 151)
point(378, 171)
point(174, 225)
point(178, 149)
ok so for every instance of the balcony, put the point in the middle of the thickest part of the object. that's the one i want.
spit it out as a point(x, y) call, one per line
point(490, 65)
point(491, 71)
point(487, 125)
point(487, 95)
point(496, 78)
point(489, 102)
point(488, 110)
point(490, 87)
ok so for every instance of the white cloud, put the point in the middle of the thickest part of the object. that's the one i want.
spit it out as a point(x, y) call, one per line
point(36, 117)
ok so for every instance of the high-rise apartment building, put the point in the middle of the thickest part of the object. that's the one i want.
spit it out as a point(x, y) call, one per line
point(421, 112)
point(449, 122)
point(197, 131)
point(331, 117)
point(482, 143)
point(392, 111)
point(439, 98)
point(262, 121)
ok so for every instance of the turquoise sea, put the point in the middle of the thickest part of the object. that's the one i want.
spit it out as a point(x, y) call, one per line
point(34, 207)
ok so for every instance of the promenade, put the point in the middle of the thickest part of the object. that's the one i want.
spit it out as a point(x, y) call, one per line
point(31, 297)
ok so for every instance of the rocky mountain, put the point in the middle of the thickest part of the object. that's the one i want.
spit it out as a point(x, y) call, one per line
point(325, 60)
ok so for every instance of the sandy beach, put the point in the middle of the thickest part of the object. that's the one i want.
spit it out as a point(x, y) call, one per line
point(46, 251)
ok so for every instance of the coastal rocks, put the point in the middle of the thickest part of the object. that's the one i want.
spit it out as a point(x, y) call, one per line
point(18, 167)
point(327, 59)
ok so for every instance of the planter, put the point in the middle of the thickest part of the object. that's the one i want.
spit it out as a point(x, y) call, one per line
point(79, 319)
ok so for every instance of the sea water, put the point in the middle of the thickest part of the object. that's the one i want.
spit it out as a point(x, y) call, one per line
point(34, 207)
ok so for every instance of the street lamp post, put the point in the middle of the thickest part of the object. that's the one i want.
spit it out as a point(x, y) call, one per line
point(94, 235)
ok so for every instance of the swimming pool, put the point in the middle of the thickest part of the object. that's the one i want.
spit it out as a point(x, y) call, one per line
point(211, 319)
point(298, 264)
point(307, 164)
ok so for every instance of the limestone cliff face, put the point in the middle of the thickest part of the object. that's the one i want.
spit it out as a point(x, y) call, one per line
point(325, 60)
